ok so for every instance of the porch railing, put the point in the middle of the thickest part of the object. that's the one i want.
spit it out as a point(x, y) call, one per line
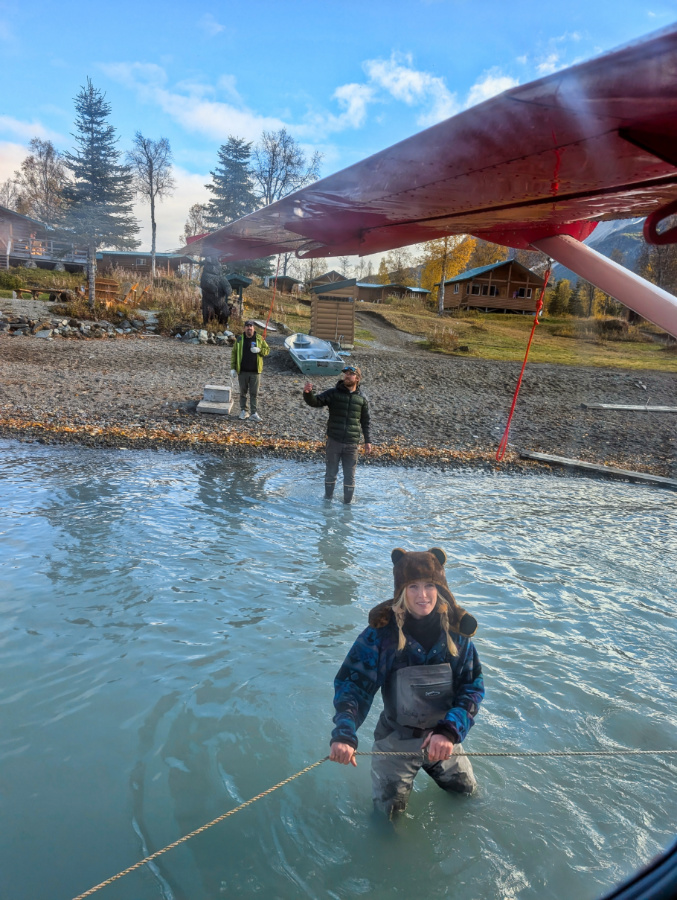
point(48, 250)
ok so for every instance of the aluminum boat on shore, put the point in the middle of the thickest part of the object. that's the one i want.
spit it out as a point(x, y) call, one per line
point(314, 356)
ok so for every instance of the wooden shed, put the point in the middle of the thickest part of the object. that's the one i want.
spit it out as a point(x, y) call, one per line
point(332, 318)
point(285, 283)
point(505, 286)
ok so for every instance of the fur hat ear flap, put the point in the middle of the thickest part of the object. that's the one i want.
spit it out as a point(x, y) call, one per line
point(397, 555)
point(439, 554)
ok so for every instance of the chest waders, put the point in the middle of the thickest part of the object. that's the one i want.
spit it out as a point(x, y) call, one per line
point(416, 698)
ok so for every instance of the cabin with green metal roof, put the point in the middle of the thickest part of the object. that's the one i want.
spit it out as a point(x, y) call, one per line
point(505, 286)
point(138, 262)
point(367, 291)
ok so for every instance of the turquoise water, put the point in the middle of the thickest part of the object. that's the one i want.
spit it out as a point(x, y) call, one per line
point(171, 625)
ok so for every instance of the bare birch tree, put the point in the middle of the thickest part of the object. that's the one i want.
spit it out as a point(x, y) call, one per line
point(40, 182)
point(196, 223)
point(279, 166)
point(151, 163)
point(9, 194)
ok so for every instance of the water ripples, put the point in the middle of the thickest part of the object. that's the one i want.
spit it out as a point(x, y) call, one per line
point(171, 628)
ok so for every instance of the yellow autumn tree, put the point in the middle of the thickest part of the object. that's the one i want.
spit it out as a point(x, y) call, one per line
point(445, 258)
point(383, 277)
point(486, 253)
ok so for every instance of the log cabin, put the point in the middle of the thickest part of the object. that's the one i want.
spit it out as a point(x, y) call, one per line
point(366, 291)
point(505, 286)
point(138, 261)
point(26, 241)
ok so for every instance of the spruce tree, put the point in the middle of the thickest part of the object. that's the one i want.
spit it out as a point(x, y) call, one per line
point(231, 184)
point(576, 301)
point(99, 198)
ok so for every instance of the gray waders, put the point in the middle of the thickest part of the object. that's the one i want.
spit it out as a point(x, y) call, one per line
point(346, 454)
point(415, 698)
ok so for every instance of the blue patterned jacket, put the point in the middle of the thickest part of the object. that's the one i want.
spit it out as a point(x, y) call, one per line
point(372, 658)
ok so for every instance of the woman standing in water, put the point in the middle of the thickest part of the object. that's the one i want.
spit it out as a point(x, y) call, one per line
point(417, 649)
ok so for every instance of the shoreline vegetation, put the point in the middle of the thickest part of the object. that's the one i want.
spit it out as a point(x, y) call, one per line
point(608, 341)
point(440, 388)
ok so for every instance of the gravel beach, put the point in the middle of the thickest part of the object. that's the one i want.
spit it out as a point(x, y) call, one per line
point(427, 408)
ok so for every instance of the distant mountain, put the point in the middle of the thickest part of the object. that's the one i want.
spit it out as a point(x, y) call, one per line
point(623, 234)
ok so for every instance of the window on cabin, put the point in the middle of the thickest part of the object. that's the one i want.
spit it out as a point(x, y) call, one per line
point(141, 262)
point(524, 292)
point(456, 289)
point(475, 289)
point(489, 290)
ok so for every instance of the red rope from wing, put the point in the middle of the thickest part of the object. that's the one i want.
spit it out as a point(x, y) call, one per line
point(272, 302)
point(503, 446)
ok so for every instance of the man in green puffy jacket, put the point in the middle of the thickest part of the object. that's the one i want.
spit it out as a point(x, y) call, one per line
point(348, 415)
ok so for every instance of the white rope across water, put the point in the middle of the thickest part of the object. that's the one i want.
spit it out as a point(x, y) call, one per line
point(507, 753)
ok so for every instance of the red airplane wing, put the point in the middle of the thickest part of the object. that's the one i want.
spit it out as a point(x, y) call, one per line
point(596, 141)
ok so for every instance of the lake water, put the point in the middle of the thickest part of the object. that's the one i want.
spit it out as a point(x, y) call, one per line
point(171, 626)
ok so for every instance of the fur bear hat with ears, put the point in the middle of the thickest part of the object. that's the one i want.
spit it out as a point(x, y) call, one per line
point(424, 566)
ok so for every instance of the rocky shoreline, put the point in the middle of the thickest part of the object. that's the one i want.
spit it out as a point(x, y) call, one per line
point(141, 390)
point(50, 327)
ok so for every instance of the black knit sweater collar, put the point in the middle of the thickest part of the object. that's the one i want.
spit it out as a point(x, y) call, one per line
point(426, 630)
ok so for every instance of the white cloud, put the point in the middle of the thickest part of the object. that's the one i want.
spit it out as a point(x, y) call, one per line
point(522, 59)
point(136, 75)
point(197, 106)
point(27, 130)
point(226, 84)
point(11, 157)
point(491, 83)
point(353, 99)
point(189, 105)
point(210, 26)
point(550, 64)
point(172, 212)
point(401, 80)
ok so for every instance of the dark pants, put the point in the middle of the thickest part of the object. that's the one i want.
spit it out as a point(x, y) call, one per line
point(346, 454)
point(249, 381)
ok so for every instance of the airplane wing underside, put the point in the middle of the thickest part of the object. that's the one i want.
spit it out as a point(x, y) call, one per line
point(596, 141)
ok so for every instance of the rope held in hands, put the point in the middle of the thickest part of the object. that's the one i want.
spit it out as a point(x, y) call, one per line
point(516, 754)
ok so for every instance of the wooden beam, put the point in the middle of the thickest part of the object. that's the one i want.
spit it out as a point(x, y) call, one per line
point(608, 471)
point(668, 409)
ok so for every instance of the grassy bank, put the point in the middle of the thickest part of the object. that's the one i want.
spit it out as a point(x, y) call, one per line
point(497, 336)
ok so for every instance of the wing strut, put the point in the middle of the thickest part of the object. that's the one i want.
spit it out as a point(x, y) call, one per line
point(650, 301)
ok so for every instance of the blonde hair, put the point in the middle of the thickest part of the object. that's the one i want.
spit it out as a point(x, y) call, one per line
point(400, 610)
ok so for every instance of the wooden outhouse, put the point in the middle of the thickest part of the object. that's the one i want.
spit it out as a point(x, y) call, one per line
point(332, 318)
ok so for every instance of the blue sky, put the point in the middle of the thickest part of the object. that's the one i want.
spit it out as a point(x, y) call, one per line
point(347, 78)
